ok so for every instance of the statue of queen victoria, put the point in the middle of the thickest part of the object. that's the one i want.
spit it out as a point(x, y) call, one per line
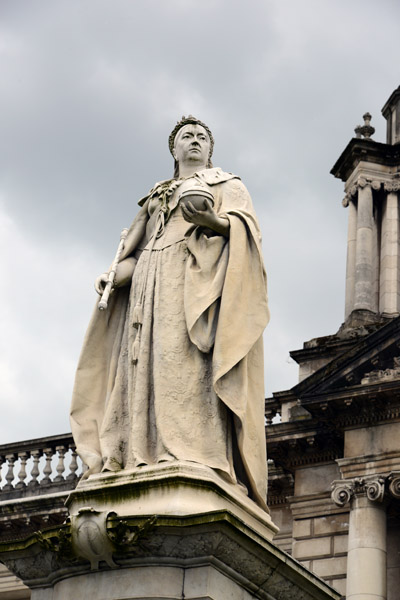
point(173, 369)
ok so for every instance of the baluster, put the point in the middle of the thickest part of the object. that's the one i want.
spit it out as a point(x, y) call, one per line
point(11, 458)
point(73, 467)
point(269, 415)
point(23, 456)
point(47, 467)
point(60, 465)
point(36, 454)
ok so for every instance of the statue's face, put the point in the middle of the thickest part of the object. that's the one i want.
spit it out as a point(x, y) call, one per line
point(192, 145)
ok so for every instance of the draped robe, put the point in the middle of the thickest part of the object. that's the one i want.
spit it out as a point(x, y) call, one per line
point(187, 382)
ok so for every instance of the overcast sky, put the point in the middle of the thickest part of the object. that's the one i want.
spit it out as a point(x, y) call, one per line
point(90, 90)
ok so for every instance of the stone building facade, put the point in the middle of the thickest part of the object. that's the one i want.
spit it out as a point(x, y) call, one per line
point(335, 453)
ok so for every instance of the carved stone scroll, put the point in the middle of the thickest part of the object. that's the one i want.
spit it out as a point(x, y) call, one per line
point(342, 492)
point(375, 489)
point(372, 487)
point(394, 484)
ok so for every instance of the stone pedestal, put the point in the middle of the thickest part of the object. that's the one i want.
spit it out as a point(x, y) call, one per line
point(170, 488)
point(169, 532)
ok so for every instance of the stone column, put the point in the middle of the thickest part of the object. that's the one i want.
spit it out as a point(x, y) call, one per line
point(364, 272)
point(366, 558)
point(366, 554)
point(351, 258)
point(389, 292)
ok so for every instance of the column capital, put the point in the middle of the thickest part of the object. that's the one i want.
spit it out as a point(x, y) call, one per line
point(394, 484)
point(392, 186)
point(361, 183)
point(373, 488)
point(342, 491)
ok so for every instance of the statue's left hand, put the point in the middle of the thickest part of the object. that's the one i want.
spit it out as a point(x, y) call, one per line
point(206, 218)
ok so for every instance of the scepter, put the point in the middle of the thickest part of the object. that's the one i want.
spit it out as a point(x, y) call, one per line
point(112, 273)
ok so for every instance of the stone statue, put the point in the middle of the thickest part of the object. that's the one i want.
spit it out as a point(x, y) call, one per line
point(173, 369)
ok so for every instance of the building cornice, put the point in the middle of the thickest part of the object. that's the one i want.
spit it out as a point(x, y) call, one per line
point(367, 150)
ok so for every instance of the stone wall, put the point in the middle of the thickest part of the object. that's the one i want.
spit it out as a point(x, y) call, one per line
point(312, 528)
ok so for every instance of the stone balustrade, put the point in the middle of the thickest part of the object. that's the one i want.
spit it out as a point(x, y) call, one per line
point(273, 411)
point(39, 466)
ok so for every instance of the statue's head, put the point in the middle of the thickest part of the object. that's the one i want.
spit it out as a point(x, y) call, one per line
point(186, 127)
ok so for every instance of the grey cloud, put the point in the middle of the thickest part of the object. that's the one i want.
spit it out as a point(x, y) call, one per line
point(90, 92)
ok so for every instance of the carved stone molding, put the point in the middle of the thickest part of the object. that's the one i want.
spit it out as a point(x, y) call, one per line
point(392, 186)
point(362, 182)
point(372, 487)
point(394, 484)
point(383, 374)
point(376, 185)
point(375, 489)
point(342, 492)
point(90, 538)
point(365, 181)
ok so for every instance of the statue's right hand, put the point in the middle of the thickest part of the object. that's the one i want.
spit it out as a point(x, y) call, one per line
point(101, 283)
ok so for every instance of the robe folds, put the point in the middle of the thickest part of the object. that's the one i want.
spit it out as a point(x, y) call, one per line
point(185, 382)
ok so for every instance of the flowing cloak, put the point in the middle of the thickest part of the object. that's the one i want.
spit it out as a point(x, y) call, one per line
point(226, 311)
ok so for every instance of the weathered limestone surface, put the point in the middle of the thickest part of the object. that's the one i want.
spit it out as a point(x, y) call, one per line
point(173, 369)
point(351, 258)
point(369, 443)
point(393, 558)
point(366, 558)
point(364, 290)
point(389, 301)
point(179, 551)
point(350, 438)
point(12, 588)
point(179, 488)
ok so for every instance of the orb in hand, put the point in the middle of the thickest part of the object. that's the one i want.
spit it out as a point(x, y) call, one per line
point(197, 197)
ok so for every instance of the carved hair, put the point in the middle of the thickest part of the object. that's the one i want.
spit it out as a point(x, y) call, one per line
point(190, 120)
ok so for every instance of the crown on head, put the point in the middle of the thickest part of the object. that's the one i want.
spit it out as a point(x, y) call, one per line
point(190, 120)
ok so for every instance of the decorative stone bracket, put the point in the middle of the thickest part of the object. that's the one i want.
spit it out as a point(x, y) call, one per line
point(374, 488)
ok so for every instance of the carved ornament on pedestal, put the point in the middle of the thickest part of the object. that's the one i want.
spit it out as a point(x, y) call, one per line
point(90, 539)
